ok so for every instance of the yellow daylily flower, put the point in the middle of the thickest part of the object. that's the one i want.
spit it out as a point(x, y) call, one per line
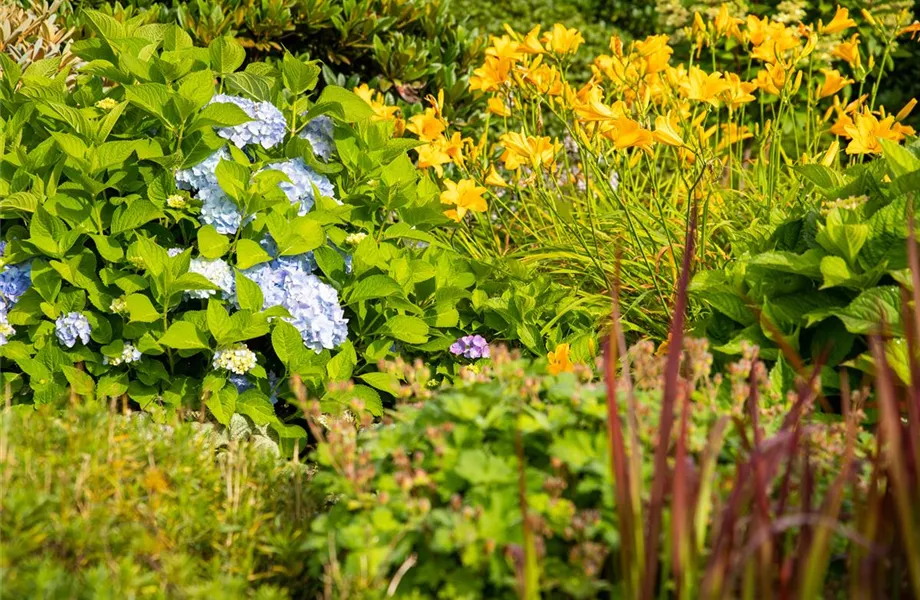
point(497, 106)
point(427, 126)
point(494, 179)
point(563, 41)
point(666, 131)
point(704, 87)
point(840, 22)
point(833, 83)
point(559, 360)
point(849, 51)
point(465, 196)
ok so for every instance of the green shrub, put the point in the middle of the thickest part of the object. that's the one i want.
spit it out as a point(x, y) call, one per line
point(116, 281)
point(96, 505)
point(827, 279)
point(409, 49)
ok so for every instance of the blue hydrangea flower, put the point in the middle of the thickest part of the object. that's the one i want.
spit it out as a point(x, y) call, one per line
point(241, 382)
point(217, 272)
point(305, 262)
point(471, 346)
point(15, 280)
point(173, 252)
point(71, 327)
point(313, 305)
point(267, 128)
point(203, 175)
point(319, 133)
point(219, 210)
point(129, 354)
point(303, 178)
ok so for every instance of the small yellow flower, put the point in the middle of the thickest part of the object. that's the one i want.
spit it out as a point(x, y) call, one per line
point(428, 126)
point(627, 133)
point(727, 25)
point(833, 83)
point(504, 48)
point(559, 360)
point(531, 43)
point(849, 51)
point(465, 195)
point(434, 156)
point(840, 22)
point(497, 106)
point(655, 53)
point(176, 201)
point(107, 104)
point(867, 130)
point(561, 40)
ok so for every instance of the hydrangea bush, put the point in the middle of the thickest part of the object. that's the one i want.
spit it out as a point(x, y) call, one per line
point(180, 233)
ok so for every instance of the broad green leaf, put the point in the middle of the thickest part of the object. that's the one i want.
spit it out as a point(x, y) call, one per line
point(299, 77)
point(212, 244)
point(248, 293)
point(346, 104)
point(288, 345)
point(256, 406)
point(373, 286)
point(249, 254)
point(79, 380)
point(219, 322)
point(223, 404)
point(227, 55)
point(342, 365)
point(183, 335)
point(141, 309)
point(411, 330)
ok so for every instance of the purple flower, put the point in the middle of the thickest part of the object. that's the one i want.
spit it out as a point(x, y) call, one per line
point(471, 346)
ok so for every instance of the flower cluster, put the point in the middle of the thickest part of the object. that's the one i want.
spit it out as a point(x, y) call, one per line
point(471, 346)
point(237, 359)
point(313, 305)
point(300, 190)
point(267, 127)
point(217, 208)
point(71, 327)
point(216, 271)
point(319, 133)
point(14, 281)
point(129, 354)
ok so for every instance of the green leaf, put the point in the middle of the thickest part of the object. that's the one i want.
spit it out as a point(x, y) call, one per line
point(108, 248)
point(373, 286)
point(299, 77)
point(220, 114)
point(411, 330)
point(129, 217)
point(233, 178)
point(249, 254)
point(248, 293)
point(227, 55)
point(219, 323)
point(141, 309)
point(342, 365)
point(182, 335)
point(288, 345)
point(212, 244)
point(256, 406)
point(112, 385)
point(223, 404)
point(868, 310)
point(386, 382)
point(347, 105)
point(79, 380)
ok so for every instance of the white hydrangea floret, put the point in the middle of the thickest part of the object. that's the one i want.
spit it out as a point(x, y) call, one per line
point(217, 272)
point(237, 359)
point(267, 127)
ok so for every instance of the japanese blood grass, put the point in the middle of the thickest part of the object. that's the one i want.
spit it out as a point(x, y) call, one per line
point(782, 529)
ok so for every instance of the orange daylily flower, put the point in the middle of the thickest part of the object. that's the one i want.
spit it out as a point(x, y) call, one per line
point(494, 73)
point(521, 149)
point(666, 131)
point(428, 126)
point(497, 106)
point(833, 83)
point(703, 86)
point(559, 360)
point(738, 92)
point(849, 51)
point(561, 40)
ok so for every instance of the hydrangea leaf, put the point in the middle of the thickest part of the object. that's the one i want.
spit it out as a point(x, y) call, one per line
point(183, 335)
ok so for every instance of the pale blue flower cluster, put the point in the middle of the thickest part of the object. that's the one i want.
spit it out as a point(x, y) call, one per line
point(71, 327)
point(174, 252)
point(14, 282)
point(319, 133)
point(267, 128)
point(217, 208)
point(313, 305)
point(217, 272)
point(303, 179)
point(129, 354)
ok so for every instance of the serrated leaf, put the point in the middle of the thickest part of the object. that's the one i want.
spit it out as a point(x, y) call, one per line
point(141, 309)
point(227, 55)
point(249, 254)
point(183, 335)
point(248, 293)
point(212, 244)
point(411, 330)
